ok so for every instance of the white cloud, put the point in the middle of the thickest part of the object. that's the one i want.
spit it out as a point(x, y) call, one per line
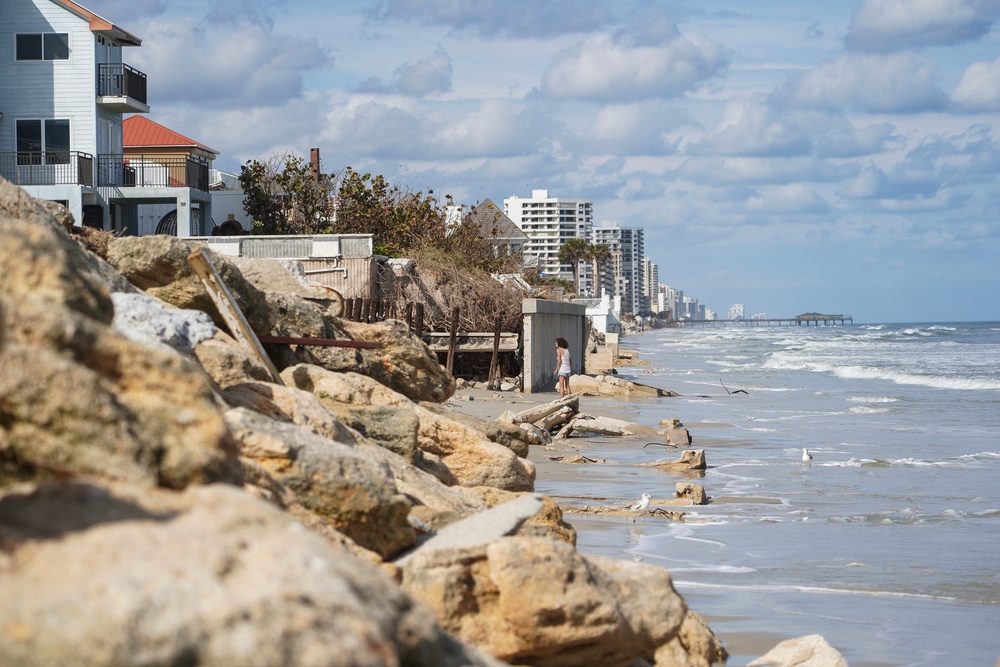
point(510, 18)
point(606, 68)
point(754, 129)
point(794, 198)
point(248, 67)
point(979, 89)
point(890, 25)
point(897, 83)
point(431, 76)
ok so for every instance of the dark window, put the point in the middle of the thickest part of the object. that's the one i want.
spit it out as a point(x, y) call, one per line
point(42, 142)
point(47, 46)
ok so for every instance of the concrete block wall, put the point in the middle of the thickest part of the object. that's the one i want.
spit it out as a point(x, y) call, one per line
point(544, 321)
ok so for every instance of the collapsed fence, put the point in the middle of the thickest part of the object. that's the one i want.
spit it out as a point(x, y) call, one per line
point(412, 314)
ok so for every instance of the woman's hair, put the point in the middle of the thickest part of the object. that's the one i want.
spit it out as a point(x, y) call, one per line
point(561, 342)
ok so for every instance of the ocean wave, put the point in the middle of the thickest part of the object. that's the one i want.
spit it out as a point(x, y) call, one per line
point(872, 399)
point(868, 410)
point(777, 362)
point(792, 588)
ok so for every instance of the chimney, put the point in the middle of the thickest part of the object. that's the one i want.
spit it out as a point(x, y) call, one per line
point(314, 163)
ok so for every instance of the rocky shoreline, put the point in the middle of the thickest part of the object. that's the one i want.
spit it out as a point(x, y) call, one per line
point(165, 499)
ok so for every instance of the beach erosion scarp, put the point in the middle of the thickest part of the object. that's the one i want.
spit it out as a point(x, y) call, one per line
point(165, 499)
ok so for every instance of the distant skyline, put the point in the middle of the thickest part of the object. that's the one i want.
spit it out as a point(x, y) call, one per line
point(835, 156)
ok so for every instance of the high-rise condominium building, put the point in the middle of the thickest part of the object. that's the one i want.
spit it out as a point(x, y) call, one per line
point(549, 222)
point(650, 283)
point(626, 246)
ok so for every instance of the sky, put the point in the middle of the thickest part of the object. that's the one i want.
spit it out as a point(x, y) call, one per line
point(793, 156)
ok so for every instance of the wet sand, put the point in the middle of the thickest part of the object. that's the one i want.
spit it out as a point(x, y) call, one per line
point(612, 479)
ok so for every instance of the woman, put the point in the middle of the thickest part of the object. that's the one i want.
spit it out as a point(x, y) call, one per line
point(563, 366)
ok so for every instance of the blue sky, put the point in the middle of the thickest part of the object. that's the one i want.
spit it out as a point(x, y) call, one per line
point(835, 156)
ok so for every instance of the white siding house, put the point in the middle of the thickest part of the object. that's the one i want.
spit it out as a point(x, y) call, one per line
point(64, 89)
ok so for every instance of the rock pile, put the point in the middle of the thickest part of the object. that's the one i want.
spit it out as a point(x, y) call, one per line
point(164, 501)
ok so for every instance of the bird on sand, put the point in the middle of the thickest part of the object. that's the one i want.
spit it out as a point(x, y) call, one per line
point(806, 456)
point(641, 505)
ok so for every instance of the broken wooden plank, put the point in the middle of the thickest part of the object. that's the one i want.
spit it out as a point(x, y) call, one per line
point(532, 415)
point(230, 312)
point(321, 342)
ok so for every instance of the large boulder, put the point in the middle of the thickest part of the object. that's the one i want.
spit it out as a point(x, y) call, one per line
point(158, 265)
point(98, 574)
point(434, 503)
point(807, 651)
point(349, 491)
point(472, 459)
point(76, 397)
point(404, 363)
point(537, 601)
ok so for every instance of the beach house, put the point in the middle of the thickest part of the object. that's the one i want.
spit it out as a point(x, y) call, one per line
point(64, 92)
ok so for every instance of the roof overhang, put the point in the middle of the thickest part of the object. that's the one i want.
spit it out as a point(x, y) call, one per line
point(101, 25)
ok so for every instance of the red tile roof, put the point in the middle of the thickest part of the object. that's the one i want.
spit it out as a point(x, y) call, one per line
point(139, 131)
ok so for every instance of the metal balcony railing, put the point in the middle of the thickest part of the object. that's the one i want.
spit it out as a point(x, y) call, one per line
point(151, 171)
point(120, 80)
point(48, 168)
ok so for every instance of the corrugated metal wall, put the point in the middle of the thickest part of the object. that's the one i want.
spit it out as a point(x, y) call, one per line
point(353, 278)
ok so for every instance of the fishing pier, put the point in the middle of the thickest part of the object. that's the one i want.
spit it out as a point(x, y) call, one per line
point(808, 319)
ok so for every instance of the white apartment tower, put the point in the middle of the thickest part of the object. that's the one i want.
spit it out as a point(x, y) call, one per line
point(627, 248)
point(549, 222)
point(650, 284)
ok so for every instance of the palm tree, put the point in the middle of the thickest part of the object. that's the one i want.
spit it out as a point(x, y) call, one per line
point(571, 252)
point(599, 254)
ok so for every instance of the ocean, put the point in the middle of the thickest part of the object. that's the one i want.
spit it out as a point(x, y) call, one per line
point(887, 543)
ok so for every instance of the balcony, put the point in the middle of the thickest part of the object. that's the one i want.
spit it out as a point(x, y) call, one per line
point(139, 171)
point(48, 168)
point(121, 88)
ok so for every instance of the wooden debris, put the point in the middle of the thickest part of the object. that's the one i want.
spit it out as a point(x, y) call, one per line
point(321, 342)
point(230, 312)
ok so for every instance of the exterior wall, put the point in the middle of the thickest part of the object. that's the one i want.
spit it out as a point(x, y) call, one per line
point(36, 83)
point(544, 321)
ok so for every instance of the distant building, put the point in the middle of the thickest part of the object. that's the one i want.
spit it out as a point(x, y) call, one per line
point(736, 312)
point(627, 249)
point(650, 284)
point(495, 226)
point(548, 222)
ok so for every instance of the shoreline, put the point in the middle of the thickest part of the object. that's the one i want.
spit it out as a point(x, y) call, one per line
point(611, 536)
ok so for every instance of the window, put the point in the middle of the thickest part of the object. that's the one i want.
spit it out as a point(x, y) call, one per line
point(43, 46)
point(42, 141)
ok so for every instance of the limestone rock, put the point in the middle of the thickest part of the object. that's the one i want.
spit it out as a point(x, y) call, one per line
point(158, 265)
point(807, 651)
point(504, 434)
point(546, 522)
point(228, 363)
point(125, 411)
point(480, 529)
point(691, 459)
point(611, 385)
point(678, 436)
point(210, 576)
point(404, 363)
point(443, 504)
point(469, 456)
point(354, 494)
point(151, 322)
point(537, 601)
point(694, 646)
point(693, 492)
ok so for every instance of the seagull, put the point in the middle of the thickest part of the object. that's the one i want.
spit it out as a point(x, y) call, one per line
point(806, 456)
point(642, 504)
